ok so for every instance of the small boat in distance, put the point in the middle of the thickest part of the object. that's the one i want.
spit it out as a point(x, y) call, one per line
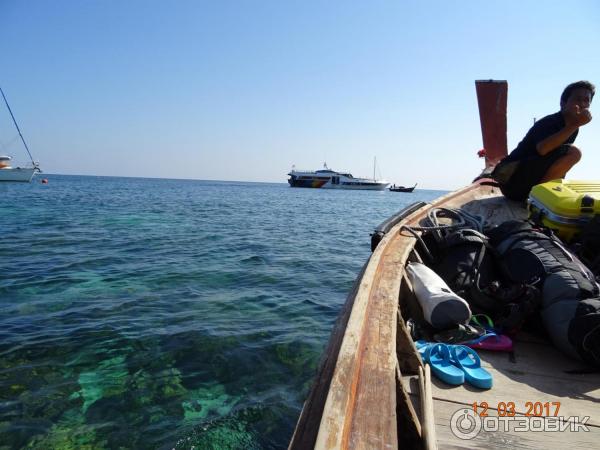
point(394, 188)
point(9, 173)
point(330, 179)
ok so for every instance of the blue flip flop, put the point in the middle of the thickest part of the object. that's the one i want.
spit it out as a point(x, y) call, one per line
point(467, 360)
point(421, 347)
point(439, 358)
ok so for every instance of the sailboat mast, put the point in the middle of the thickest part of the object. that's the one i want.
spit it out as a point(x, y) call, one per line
point(374, 165)
point(17, 126)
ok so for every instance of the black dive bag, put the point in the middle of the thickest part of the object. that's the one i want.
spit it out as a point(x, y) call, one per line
point(468, 264)
point(463, 261)
point(570, 306)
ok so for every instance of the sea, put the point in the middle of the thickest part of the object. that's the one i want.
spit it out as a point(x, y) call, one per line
point(144, 313)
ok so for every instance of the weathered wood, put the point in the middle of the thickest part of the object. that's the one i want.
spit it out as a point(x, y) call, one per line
point(510, 439)
point(376, 383)
point(427, 407)
point(542, 359)
point(408, 358)
point(576, 399)
point(424, 413)
point(409, 425)
point(492, 98)
point(495, 209)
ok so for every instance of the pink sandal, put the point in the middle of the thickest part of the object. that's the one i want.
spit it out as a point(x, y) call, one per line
point(492, 341)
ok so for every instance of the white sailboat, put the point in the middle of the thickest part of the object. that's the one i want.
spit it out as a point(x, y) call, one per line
point(9, 173)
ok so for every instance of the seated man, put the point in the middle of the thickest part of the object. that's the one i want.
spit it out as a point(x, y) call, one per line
point(547, 151)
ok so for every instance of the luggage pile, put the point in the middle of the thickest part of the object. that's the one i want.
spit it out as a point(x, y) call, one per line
point(519, 272)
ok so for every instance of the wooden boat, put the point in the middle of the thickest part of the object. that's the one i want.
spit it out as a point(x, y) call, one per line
point(395, 188)
point(369, 393)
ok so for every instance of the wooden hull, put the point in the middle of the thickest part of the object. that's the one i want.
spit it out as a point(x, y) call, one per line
point(410, 189)
point(366, 394)
point(395, 188)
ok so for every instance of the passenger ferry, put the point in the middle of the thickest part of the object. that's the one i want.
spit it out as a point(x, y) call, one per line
point(330, 179)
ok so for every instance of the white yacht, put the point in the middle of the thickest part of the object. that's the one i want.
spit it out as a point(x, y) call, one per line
point(9, 173)
point(330, 179)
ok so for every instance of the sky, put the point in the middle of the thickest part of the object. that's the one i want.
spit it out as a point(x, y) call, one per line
point(242, 90)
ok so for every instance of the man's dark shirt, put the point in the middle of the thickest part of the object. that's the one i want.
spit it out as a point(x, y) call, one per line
point(543, 128)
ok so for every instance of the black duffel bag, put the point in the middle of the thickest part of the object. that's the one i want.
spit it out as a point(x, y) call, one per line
point(468, 264)
point(570, 307)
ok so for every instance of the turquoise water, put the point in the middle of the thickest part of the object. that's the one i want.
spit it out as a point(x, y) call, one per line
point(144, 313)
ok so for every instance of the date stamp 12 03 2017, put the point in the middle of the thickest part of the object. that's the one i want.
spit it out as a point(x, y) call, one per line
point(509, 409)
point(467, 423)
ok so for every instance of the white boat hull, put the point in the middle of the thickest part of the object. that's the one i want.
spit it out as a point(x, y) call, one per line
point(329, 179)
point(362, 187)
point(17, 174)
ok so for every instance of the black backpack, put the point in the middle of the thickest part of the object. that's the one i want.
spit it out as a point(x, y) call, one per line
point(530, 255)
point(465, 260)
point(570, 306)
point(588, 247)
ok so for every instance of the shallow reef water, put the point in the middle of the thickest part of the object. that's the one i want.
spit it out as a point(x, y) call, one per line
point(148, 313)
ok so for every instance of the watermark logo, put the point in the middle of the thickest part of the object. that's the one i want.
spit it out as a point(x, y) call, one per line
point(466, 424)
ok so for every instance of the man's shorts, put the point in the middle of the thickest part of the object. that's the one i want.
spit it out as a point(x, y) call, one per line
point(525, 173)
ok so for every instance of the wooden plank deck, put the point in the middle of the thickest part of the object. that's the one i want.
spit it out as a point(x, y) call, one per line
point(535, 372)
point(510, 439)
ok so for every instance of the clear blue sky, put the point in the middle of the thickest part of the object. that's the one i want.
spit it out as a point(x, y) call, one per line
point(241, 90)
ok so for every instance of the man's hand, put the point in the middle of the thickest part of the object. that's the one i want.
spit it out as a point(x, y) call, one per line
point(577, 116)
